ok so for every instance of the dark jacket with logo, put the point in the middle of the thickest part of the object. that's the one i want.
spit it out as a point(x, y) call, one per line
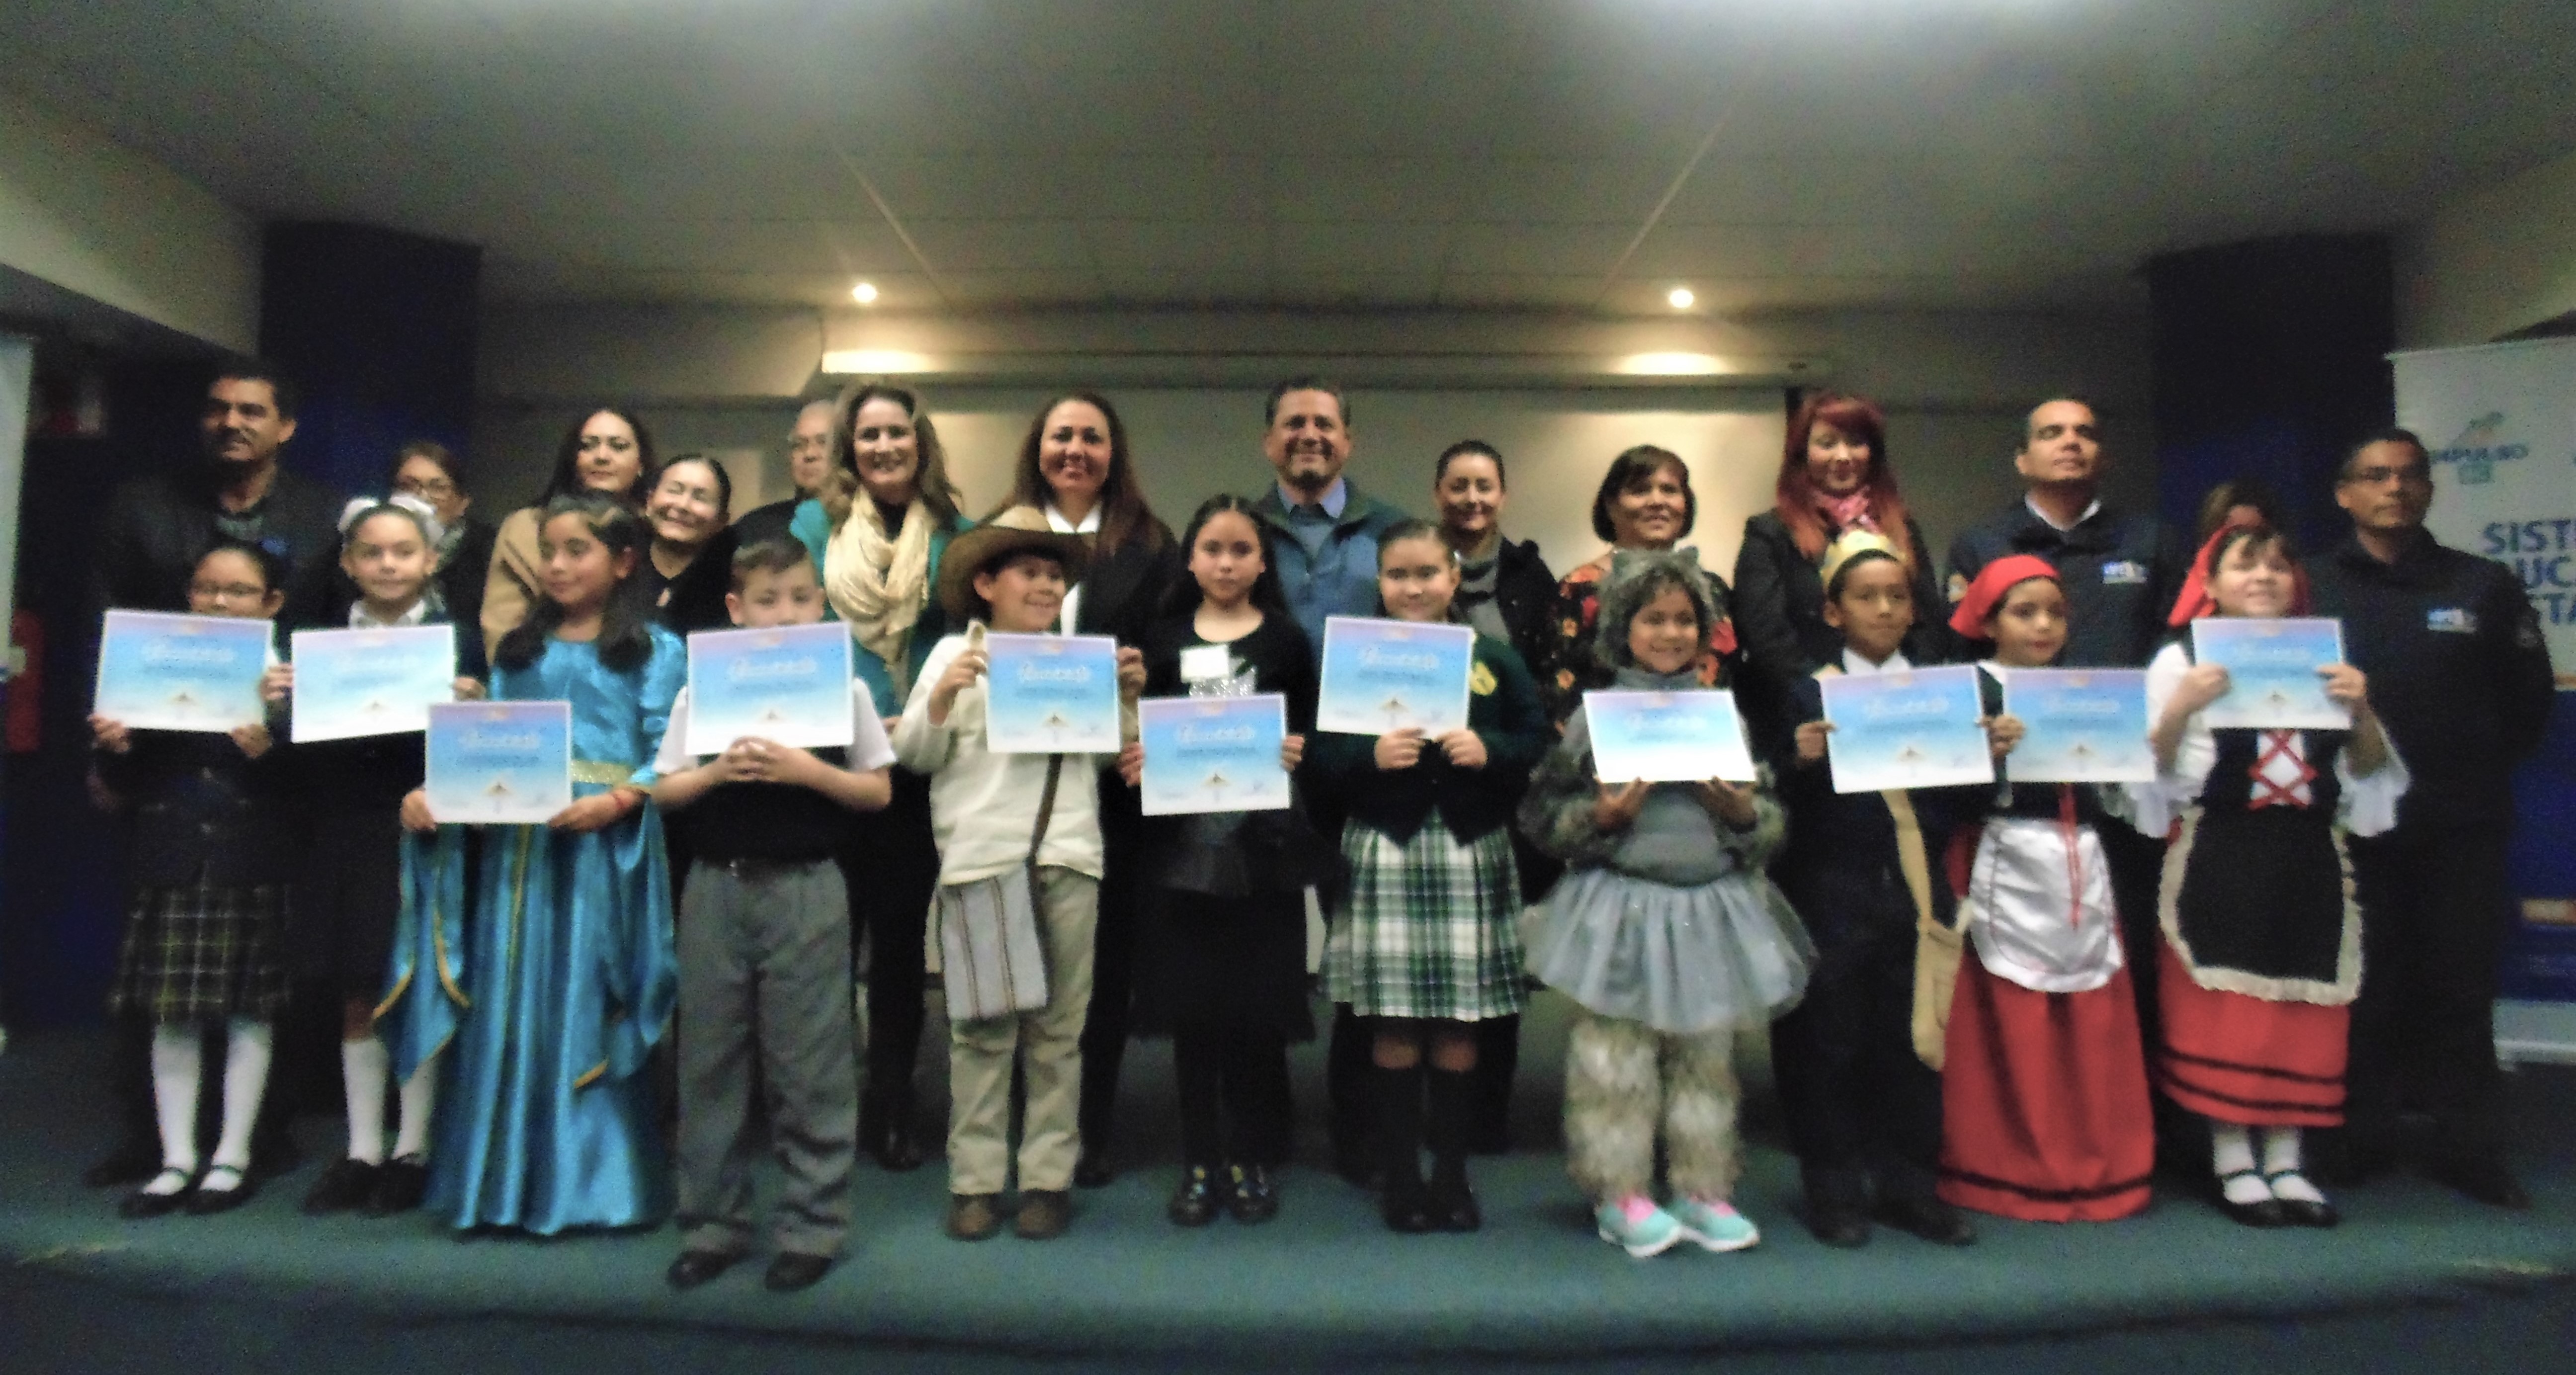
point(2459, 672)
point(2121, 573)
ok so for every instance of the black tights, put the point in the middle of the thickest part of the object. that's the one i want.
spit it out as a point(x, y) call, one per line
point(1234, 1094)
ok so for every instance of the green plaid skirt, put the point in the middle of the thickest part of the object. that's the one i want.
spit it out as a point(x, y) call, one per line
point(1428, 927)
point(195, 952)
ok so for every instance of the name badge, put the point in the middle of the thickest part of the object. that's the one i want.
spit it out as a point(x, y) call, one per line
point(2124, 573)
point(2452, 620)
point(1202, 663)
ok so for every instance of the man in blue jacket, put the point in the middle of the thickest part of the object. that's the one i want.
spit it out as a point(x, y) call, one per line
point(1325, 532)
point(1324, 536)
point(2460, 674)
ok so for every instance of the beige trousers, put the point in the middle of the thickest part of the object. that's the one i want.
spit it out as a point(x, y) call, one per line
point(1048, 1045)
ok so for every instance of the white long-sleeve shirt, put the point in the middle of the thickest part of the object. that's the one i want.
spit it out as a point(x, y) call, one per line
point(984, 805)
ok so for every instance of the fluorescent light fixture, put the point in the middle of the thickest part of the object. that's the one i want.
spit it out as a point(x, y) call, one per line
point(865, 293)
point(1671, 365)
point(1680, 298)
point(877, 363)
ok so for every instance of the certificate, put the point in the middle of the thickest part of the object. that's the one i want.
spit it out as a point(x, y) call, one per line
point(499, 763)
point(2271, 664)
point(1050, 694)
point(1382, 676)
point(1666, 737)
point(1916, 728)
point(789, 684)
point(158, 671)
point(2079, 725)
point(376, 681)
point(1214, 754)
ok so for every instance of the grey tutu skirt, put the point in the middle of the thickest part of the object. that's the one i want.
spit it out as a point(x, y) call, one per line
point(1681, 960)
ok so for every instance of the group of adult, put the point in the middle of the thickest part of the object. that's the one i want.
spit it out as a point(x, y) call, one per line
point(2453, 651)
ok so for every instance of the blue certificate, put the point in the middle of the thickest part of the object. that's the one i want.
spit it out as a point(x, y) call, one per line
point(2271, 664)
point(499, 763)
point(789, 684)
point(1214, 754)
point(1666, 737)
point(158, 671)
point(1050, 694)
point(2079, 725)
point(1916, 728)
point(376, 681)
point(1382, 676)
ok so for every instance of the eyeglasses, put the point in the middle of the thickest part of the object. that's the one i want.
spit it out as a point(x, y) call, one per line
point(435, 489)
point(226, 591)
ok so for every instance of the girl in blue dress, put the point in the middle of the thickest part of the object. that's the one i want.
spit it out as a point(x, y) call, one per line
point(548, 1121)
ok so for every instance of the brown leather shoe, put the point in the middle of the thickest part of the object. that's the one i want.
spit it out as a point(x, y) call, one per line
point(1044, 1214)
point(974, 1217)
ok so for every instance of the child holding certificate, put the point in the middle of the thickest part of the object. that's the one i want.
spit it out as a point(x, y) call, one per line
point(2261, 955)
point(764, 951)
point(213, 851)
point(1019, 842)
point(2044, 1088)
point(1664, 931)
point(1425, 943)
point(1222, 954)
point(551, 1123)
point(348, 900)
point(1859, 1074)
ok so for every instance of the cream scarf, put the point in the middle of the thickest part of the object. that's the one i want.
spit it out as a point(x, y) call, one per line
point(879, 585)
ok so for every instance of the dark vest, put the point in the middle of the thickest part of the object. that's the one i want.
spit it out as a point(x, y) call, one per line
point(771, 821)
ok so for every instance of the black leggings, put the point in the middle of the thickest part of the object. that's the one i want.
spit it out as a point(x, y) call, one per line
point(1234, 1095)
point(892, 875)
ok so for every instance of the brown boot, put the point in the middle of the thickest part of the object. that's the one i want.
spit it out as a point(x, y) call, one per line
point(974, 1217)
point(1044, 1214)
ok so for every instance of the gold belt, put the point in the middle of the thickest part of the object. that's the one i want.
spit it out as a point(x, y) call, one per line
point(605, 775)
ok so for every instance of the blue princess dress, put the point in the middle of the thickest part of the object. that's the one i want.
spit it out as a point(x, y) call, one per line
point(566, 979)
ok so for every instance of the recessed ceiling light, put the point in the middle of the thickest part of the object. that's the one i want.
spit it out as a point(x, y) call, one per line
point(1680, 298)
point(865, 293)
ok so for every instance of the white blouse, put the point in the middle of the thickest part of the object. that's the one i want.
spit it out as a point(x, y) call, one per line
point(2369, 805)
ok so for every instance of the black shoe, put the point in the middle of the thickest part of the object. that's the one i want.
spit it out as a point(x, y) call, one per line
point(143, 1204)
point(1405, 1206)
point(2484, 1178)
point(885, 1129)
point(1837, 1204)
point(794, 1270)
point(347, 1185)
point(1451, 1205)
point(400, 1186)
point(1251, 1196)
point(1195, 1202)
point(1927, 1217)
point(1091, 1169)
point(133, 1162)
point(2265, 1212)
point(694, 1268)
point(2300, 1212)
point(1841, 1226)
point(206, 1201)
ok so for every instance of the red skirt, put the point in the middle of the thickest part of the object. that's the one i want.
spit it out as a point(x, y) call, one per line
point(2044, 1101)
point(2232, 1057)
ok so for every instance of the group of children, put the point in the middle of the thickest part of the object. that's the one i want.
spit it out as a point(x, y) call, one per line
point(1952, 1017)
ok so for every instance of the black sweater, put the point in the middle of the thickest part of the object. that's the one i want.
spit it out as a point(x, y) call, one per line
point(199, 805)
point(1502, 707)
point(1780, 619)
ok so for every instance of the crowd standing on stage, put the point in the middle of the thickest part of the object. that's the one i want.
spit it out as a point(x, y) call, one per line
point(2018, 1000)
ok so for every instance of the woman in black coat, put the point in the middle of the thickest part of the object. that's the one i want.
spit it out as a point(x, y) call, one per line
point(1834, 476)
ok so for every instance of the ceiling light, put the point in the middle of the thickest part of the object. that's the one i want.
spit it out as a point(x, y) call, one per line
point(1680, 298)
point(865, 293)
point(877, 363)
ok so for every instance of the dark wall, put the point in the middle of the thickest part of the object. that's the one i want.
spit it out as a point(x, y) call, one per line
point(378, 328)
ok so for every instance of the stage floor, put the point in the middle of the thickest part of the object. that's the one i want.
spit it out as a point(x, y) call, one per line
point(1323, 1281)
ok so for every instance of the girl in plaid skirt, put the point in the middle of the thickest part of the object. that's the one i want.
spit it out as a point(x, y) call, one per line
point(1425, 944)
point(210, 864)
point(1666, 934)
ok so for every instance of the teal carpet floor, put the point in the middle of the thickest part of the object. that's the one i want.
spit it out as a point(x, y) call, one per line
point(1323, 1283)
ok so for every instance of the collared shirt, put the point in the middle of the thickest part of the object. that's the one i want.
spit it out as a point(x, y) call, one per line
point(417, 615)
point(2090, 512)
point(1855, 665)
point(1089, 525)
point(1311, 523)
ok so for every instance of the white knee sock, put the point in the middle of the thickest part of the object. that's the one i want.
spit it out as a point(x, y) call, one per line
point(2281, 1158)
point(178, 1059)
point(419, 1099)
point(363, 1071)
point(2232, 1155)
point(245, 1081)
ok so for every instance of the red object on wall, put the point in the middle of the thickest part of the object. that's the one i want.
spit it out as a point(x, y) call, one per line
point(23, 724)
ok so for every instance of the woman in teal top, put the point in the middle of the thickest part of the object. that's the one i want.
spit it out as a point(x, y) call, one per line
point(880, 525)
point(569, 976)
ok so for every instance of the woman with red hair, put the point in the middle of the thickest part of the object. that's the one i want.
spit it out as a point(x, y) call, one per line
point(1834, 476)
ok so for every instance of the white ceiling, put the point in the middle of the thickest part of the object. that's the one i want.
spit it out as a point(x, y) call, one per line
point(1583, 154)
